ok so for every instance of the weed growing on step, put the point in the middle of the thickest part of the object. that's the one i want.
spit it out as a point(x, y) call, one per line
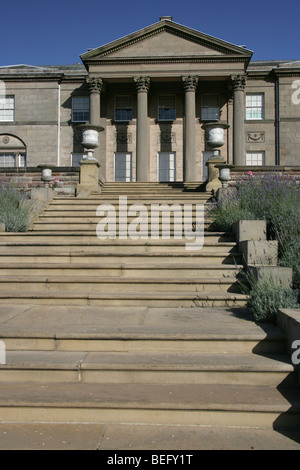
point(13, 213)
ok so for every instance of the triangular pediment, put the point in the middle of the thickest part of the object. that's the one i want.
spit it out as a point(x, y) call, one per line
point(165, 39)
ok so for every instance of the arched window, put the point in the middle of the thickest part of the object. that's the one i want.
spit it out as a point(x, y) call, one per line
point(12, 151)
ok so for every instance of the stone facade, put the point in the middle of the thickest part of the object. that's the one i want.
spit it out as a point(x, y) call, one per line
point(164, 68)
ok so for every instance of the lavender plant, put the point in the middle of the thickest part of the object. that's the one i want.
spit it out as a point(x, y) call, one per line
point(13, 213)
point(276, 199)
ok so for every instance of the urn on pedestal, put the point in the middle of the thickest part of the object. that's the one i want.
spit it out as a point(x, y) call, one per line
point(214, 137)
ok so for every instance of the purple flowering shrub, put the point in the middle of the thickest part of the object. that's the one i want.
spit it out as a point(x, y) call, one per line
point(274, 198)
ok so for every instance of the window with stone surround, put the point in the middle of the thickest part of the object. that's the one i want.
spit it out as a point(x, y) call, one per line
point(210, 107)
point(7, 108)
point(12, 160)
point(123, 112)
point(254, 106)
point(255, 158)
point(80, 108)
point(167, 108)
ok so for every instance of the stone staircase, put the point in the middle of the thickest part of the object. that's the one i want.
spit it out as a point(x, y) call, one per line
point(134, 331)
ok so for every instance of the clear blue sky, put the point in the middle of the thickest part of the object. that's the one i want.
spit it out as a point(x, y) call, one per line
point(56, 32)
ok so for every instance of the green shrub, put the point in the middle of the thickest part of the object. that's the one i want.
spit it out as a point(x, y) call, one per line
point(265, 298)
point(13, 213)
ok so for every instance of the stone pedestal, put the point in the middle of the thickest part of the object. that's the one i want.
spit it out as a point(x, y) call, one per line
point(89, 177)
point(213, 182)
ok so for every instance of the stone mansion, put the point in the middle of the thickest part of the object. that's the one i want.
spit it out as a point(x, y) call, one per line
point(152, 91)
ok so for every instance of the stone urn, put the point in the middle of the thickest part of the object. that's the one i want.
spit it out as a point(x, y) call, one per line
point(214, 137)
point(214, 134)
point(224, 174)
point(90, 142)
point(46, 173)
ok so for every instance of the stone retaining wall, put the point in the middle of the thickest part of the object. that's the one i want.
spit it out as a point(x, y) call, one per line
point(242, 172)
point(29, 178)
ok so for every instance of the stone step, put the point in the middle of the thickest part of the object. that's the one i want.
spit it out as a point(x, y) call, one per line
point(126, 298)
point(146, 367)
point(82, 238)
point(195, 404)
point(137, 329)
point(125, 270)
point(99, 285)
point(91, 227)
point(133, 198)
point(121, 246)
point(201, 258)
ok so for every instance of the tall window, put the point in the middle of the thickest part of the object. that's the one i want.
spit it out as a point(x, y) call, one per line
point(80, 108)
point(255, 106)
point(166, 166)
point(167, 108)
point(210, 107)
point(123, 108)
point(123, 166)
point(7, 108)
point(255, 158)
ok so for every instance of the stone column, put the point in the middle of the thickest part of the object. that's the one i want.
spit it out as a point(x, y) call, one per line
point(238, 85)
point(95, 85)
point(142, 137)
point(189, 167)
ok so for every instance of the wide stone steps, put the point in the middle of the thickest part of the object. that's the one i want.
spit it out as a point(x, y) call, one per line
point(143, 365)
point(63, 260)
point(134, 331)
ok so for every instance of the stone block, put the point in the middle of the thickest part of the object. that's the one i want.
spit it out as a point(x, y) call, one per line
point(280, 275)
point(250, 230)
point(259, 252)
point(2, 227)
point(288, 320)
point(42, 194)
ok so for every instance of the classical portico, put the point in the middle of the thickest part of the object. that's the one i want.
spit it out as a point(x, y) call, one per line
point(152, 91)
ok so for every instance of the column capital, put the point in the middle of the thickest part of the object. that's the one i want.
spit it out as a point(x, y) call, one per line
point(238, 82)
point(95, 84)
point(190, 82)
point(142, 84)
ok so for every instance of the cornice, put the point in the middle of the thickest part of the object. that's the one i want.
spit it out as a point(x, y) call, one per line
point(165, 60)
